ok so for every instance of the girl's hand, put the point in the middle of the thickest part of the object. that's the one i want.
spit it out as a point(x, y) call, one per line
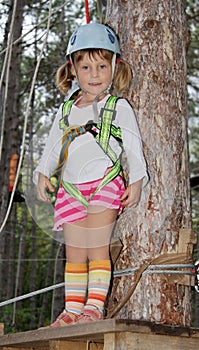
point(43, 185)
point(131, 196)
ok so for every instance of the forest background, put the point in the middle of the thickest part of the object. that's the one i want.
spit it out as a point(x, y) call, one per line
point(30, 259)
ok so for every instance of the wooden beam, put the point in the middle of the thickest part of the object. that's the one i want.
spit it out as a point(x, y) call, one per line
point(75, 345)
point(67, 345)
point(94, 333)
point(138, 341)
point(25, 348)
point(109, 341)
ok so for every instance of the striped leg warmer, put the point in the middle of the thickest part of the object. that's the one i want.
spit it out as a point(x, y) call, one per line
point(76, 279)
point(99, 281)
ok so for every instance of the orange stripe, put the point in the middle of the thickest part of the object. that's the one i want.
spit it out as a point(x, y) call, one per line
point(75, 299)
point(76, 271)
point(97, 297)
point(76, 268)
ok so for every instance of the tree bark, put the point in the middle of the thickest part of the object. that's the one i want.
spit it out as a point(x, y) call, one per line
point(153, 37)
point(11, 139)
point(11, 132)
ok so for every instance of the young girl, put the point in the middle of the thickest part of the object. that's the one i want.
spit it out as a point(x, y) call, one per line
point(94, 60)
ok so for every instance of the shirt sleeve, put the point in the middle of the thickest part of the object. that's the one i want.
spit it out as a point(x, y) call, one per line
point(49, 160)
point(132, 142)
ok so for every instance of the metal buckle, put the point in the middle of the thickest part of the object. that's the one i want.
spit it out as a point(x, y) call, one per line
point(113, 111)
point(197, 276)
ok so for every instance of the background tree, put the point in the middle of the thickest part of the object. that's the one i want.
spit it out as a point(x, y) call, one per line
point(10, 111)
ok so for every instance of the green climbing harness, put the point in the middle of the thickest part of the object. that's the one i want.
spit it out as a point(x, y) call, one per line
point(105, 129)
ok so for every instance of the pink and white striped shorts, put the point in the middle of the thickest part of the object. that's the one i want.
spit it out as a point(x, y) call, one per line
point(69, 209)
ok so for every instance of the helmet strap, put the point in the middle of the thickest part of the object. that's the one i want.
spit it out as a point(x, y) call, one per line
point(113, 64)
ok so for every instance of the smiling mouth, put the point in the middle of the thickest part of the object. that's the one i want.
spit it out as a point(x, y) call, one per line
point(94, 84)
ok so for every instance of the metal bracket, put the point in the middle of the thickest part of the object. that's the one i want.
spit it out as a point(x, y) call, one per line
point(103, 109)
point(197, 276)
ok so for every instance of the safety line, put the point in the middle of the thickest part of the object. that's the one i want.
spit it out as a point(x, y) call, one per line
point(161, 270)
point(31, 294)
point(117, 273)
point(37, 259)
point(87, 11)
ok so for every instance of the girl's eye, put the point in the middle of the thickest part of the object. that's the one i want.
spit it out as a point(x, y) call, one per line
point(85, 67)
point(102, 66)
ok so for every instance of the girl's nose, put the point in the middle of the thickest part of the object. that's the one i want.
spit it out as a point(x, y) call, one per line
point(94, 72)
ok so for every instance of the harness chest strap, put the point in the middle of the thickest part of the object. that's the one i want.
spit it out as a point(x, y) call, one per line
point(106, 129)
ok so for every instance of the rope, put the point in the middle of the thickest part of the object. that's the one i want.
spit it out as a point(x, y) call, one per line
point(26, 118)
point(130, 271)
point(145, 269)
point(130, 292)
point(31, 294)
point(87, 12)
point(165, 258)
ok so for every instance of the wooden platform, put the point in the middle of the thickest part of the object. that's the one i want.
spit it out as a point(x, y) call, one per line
point(111, 334)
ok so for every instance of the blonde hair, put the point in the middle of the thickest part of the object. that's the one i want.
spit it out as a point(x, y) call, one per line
point(122, 75)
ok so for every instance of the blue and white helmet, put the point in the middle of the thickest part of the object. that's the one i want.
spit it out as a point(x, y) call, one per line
point(93, 36)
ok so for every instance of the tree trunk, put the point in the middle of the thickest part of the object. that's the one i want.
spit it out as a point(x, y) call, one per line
point(11, 132)
point(153, 37)
point(11, 138)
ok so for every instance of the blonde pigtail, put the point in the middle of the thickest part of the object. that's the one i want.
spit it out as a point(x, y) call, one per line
point(123, 76)
point(64, 78)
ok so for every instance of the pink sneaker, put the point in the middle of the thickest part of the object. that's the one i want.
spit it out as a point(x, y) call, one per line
point(64, 319)
point(90, 315)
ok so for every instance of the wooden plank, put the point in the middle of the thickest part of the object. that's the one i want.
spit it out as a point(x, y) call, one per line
point(187, 240)
point(75, 345)
point(195, 333)
point(90, 331)
point(96, 346)
point(22, 348)
point(109, 341)
point(137, 341)
point(67, 345)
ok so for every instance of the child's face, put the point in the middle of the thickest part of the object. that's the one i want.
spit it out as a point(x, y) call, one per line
point(93, 73)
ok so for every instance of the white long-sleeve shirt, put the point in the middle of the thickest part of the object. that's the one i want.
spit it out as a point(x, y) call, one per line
point(86, 160)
